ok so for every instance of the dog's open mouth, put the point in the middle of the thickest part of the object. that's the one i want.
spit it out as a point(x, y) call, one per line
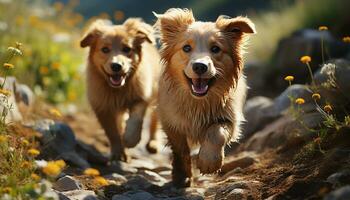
point(117, 80)
point(199, 86)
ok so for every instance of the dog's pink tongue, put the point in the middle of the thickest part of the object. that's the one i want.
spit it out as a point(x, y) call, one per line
point(117, 79)
point(200, 85)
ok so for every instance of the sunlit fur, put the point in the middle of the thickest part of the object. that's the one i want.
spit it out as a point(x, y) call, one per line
point(214, 119)
point(141, 65)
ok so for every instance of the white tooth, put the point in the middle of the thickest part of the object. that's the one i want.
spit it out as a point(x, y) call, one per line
point(123, 81)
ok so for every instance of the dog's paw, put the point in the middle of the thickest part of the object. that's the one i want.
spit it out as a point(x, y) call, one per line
point(210, 160)
point(120, 156)
point(132, 135)
point(181, 182)
point(152, 146)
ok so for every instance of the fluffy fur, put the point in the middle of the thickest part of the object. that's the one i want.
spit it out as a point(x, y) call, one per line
point(204, 109)
point(122, 72)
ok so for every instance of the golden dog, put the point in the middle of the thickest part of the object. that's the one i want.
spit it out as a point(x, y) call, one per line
point(201, 90)
point(122, 74)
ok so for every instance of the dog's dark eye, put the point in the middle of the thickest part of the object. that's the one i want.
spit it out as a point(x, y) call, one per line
point(215, 49)
point(105, 50)
point(126, 49)
point(187, 48)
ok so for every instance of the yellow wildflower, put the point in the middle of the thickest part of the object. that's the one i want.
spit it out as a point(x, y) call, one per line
point(33, 152)
point(305, 59)
point(55, 112)
point(52, 169)
point(346, 39)
point(60, 163)
point(119, 15)
point(289, 78)
point(322, 28)
point(26, 164)
point(34, 21)
point(3, 138)
point(98, 180)
point(8, 66)
point(43, 70)
point(316, 96)
point(35, 176)
point(7, 189)
point(56, 65)
point(19, 20)
point(5, 92)
point(25, 142)
point(58, 6)
point(328, 108)
point(72, 96)
point(299, 101)
point(91, 172)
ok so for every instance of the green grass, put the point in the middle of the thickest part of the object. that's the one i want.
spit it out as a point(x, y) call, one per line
point(283, 20)
point(52, 60)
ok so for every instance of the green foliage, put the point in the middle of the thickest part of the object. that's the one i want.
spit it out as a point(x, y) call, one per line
point(52, 60)
point(273, 25)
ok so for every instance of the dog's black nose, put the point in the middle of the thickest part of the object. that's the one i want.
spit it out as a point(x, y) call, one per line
point(199, 68)
point(116, 67)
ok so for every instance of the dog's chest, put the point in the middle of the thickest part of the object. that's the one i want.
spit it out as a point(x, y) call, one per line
point(189, 120)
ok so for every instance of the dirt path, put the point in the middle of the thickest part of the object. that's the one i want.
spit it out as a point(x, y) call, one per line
point(271, 174)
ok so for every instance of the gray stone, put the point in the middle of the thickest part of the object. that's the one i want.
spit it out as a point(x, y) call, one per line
point(24, 94)
point(286, 60)
point(233, 191)
point(257, 112)
point(334, 77)
point(272, 135)
point(141, 195)
point(90, 153)
point(56, 136)
point(78, 195)
point(153, 177)
point(13, 114)
point(340, 178)
point(236, 194)
point(342, 193)
point(283, 101)
point(59, 141)
point(67, 183)
point(138, 182)
point(116, 177)
point(241, 162)
point(120, 197)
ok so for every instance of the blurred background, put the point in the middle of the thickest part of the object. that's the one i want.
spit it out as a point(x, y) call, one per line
point(53, 63)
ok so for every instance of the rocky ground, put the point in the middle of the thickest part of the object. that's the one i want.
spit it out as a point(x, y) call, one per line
point(277, 159)
point(284, 172)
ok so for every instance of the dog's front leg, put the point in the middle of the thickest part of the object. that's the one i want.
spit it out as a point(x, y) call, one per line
point(211, 153)
point(134, 124)
point(108, 121)
point(181, 172)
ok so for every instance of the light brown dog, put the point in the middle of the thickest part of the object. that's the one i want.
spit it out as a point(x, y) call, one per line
point(122, 74)
point(202, 89)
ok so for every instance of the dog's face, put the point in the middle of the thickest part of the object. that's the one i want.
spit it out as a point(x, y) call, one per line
point(116, 50)
point(203, 57)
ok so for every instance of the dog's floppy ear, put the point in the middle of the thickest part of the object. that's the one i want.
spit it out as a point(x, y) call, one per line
point(173, 22)
point(237, 25)
point(141, 31)
point(94, 31)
